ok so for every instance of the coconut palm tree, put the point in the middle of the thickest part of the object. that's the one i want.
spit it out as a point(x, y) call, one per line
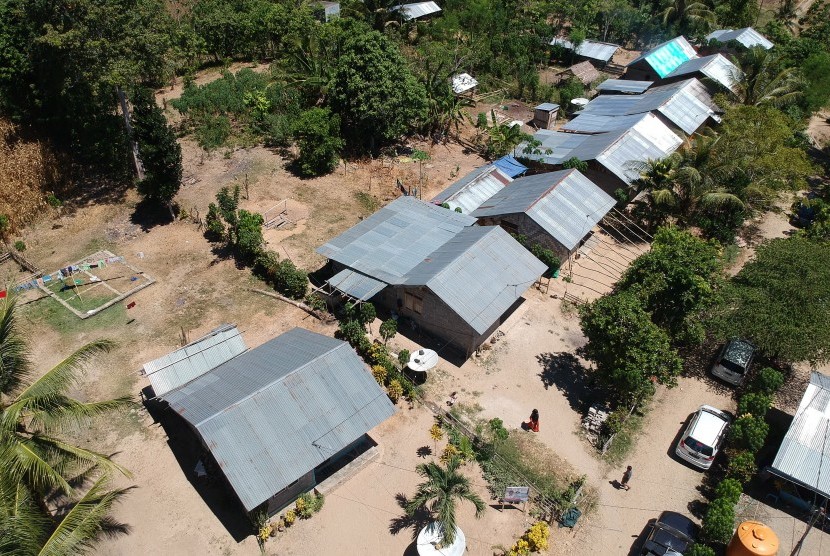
point(441, 490)
point(688, 13)
point(760, 78)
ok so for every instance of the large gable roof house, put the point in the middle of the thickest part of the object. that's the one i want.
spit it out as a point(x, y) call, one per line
point(747, 37)
point(715, 67)
point(272, 415)
point(557, 209)
point(661, 60)
point(595, 51)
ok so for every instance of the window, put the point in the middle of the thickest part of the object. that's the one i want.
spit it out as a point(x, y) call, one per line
point(413, 303)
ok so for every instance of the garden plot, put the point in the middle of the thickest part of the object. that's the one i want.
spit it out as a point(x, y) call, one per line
point(93, 283)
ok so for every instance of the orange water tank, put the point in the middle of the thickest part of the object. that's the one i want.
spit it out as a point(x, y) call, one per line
point(753, 538)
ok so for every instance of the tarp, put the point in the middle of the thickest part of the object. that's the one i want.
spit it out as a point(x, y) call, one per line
point(510, 166)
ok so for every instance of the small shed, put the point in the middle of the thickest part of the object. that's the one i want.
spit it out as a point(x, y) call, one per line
point(331, 10)
point(544, 115)
point(594, 51)
point(584, 71)
point(746, 37)
point(416, 10)
point(463, 83)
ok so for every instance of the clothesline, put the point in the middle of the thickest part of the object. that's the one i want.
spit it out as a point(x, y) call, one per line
point(66, 272)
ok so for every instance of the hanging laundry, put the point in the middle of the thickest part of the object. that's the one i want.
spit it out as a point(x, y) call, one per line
point(131, 304)
point(2, 294)
point(47, 278)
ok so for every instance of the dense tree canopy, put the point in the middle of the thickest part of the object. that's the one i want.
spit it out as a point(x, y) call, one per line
point(780, 301)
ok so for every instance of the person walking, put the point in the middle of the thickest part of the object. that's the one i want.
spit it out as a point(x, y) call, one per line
point(533, 424)
point(626, 477)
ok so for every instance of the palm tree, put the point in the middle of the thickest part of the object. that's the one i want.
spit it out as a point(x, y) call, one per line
point(761, 79)
point(439, 493)
point(35, 463)
point(687, 13)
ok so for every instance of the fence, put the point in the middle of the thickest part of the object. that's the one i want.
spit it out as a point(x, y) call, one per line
point(607, 444)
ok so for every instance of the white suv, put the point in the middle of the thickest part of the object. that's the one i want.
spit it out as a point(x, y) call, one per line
point(703, 437)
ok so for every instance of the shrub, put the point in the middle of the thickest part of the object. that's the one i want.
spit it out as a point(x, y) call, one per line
point(290, 518)
point(498, 430)
point(394, 390)
point(574, 162)
point(388, 329)
point(317, 133)
point(730, 489)
point(754, 404)
point(700, 550)
point(19, 245)
point(352, 332)
point(249, 240)
point(614, 423)
point(316, 302)
point(450, 452)
point(290, 280)
point(5, 225)
point(741, 467)
point(378, 354)
point(748, 432)
point(436, 432)
point(379, 372)
point(521, 548)
point(53, 201)
point(719, 521)
point(767, 382)
point(403, 357)
point(308, 504)
point(537, 536)
point(213, 222)
point(547, 256)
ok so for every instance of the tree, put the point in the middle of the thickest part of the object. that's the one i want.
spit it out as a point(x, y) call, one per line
point(35, 462)
point(249, 240)
point(372, 88)
point(441, 490)
point(780, 301)
point(630, 352)
point(719, 521)
point(675, 281)
point(687, 14)
point(762, 78)
point(317, 133)
point(388, 329)
point(160, 153)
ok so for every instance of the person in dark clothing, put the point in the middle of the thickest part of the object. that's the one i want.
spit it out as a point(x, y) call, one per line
point(626, 477)
point(533, 424)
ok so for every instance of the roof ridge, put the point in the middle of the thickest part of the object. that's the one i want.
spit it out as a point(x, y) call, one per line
point(566, 173)
point(265, 387)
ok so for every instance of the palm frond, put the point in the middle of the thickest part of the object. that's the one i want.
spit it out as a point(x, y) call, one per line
point(65, 413)
point(720, 200)
point(23, 460)
point(71, 458)
point(663, 197)
point(84, 524)
point(66, 373)
point(23, 527)
point(15, 367)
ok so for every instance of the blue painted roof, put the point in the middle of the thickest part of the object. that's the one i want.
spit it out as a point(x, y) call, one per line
point(510, 166)
point(668, 56)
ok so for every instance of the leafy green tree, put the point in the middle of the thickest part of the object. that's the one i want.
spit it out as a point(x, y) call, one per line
point(442, 489)
point(317, 133)
point(763, 79)
point(767, 382)
point(675, 281)
point(160, 153)
point(213, 222)
point(780, 301)
point(719, 521)
point(736, 14)
point(688, 14)
point(249, 235)
point(372, 88)
point(817, 88)
point(630, 352)
point(748, 432)
point(741, 466)
point(753, 403)
point(388, 329)
point(729, 489)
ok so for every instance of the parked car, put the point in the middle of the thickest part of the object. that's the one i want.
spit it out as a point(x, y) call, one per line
point(672, 534)
point(734, 361)
point(703, 437)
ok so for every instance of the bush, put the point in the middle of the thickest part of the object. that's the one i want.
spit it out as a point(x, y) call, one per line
point(379, 372)
point(537, 536)
point(213, 222)
point(700, 550)
point(741, 467)
point(729, 489)
point(5, 225)
point(352, 332)
point(290, 280)
point(290, 518)
point(756, 404)
point(53, 201)
point(403, 357)
point(249, 240)
point(498, 430)
point(19, 245)
point(316, 302)
point(767, 382)
point(719, 521)
point(388, 329)
point(748, 432)
point(317, 133)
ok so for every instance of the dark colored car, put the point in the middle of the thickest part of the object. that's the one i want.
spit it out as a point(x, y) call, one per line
point(671, 535)
point(734, 361)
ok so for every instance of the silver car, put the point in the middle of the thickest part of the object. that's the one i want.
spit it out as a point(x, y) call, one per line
point(704, 436)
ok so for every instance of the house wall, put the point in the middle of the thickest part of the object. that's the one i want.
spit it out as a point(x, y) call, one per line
point(641, 71)
point(290, 493)
point(522, 224)
point(607, 181)
point(436, 317)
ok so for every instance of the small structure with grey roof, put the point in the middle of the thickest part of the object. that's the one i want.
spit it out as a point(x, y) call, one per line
point(193, 360)
point(473, 189)
point(430, 265)
point(715, 67)
point(685, 105)
point(623, 87)
point(594, 51)
point(556, 209)
point(661, 60)
point(613, 157)
point(804, 456)
point(463, 83)
point(331, 10)
point(416, 10)
point(584, 72)
point(274, 416)
point(544, 115)
point(747, 37)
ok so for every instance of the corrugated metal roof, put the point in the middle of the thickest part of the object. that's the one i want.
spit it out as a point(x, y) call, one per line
point(479, 274)
point(597, 123)
point(194, 359)
point(716, 67)
point(565, 203)
point(417, 9)
point(356, 285)
point(666, 57)
point(393, 240)
point(804, 455)
point(509, 166)
point(628, 86)
point(687, 104)
point(595, 50)
point(618, 151)
point(747, 36)
point(473, 189)
point(331, 9)
point(463, 82)
point(547, 107)
point(278, 411)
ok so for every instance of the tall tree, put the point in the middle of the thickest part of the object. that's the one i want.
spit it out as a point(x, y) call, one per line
point(442, 489)
point(688, 14)
point(762, 78)
point(160, 153)
point(317, 133)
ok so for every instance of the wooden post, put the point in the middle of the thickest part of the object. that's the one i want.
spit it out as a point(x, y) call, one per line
point(125, 110)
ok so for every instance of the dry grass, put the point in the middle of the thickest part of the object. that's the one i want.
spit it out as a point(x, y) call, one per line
point(28, 169)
